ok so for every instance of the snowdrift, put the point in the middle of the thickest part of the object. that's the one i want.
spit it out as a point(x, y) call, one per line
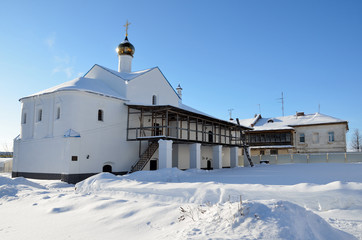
point(314, 201)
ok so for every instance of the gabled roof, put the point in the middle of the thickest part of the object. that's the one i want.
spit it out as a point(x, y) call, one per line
point(93, 85)
point(123, 75)
point(83, 84)
point(289, 122)
point(129, 76)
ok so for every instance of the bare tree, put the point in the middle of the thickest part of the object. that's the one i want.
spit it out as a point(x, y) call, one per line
point(356, 142)
point(7, 153)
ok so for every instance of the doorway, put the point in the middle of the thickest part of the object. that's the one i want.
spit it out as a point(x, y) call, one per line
point(211, 137)
point(153, 164)
point(209, 165)
point(107, 168)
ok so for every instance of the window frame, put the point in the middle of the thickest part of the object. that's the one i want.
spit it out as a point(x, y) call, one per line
point(331, 137)
point(273, 151)
point(100, 115)
point(58, 112)
point(23, 120)
point(316, 138)
point(154, 99)
point(301, 135)
point(39, 116)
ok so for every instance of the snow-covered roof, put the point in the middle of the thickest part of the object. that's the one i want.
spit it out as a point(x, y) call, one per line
point(83, 84)
point(186, 108)
point(191, 109)
point(125, 76)
point(89, 83)
point(288, 122)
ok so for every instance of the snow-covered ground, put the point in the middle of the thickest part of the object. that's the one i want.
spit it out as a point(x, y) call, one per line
point(294, 201)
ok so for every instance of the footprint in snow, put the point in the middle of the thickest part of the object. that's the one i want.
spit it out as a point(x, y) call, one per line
point(60, 210)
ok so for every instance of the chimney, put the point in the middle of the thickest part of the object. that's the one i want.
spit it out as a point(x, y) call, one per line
point(179, 91)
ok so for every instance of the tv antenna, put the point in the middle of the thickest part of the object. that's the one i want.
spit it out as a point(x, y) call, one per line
point(282, 99)
point(230, 113)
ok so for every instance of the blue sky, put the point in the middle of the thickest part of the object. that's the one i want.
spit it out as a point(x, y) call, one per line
point(225, 54)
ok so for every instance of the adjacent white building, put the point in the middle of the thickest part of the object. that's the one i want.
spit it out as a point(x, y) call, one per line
point(118, 121)
point(299, 133)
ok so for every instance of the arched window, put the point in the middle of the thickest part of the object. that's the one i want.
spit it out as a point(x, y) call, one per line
point(24, 118)
point(58, 113)
point(100, 115)
point(154, 100)
point(40, 115)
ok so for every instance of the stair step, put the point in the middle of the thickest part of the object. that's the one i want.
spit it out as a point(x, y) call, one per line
point(145, 157)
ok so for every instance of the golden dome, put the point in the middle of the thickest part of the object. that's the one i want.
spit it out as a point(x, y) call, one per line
point(125, 48)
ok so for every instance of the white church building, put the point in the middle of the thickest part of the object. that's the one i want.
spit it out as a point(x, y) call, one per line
point(118, 121)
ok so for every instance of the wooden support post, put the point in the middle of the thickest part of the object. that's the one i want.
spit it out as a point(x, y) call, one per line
point(167, 129)
point(188, 127)
point(225, 134)
point(203, 131)
point(219, 133)
point(197, 129)
point(230, 136)
point(177, 128)
point(213, 133)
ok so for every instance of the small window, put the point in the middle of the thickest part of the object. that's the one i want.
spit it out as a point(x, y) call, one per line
point(288, 137)
point(74, 158)
point(331, 136)
point(262, 138)
point(262, 152)
point(315, 138)
point(58, 113)
point(100, 115)
point(154, 100)
point(24, 118)
point(274, 152)
point(40, 115)
point(302, 138)
point(283, 137)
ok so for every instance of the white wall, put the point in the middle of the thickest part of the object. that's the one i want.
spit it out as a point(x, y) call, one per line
point(104, 141)
point(206, 155)
point(226, 156)
point(142, 88)
point(323, 144)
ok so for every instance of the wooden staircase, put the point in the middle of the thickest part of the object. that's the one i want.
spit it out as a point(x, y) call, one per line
point(145, 157)
point(245, 146)
point(246, 152)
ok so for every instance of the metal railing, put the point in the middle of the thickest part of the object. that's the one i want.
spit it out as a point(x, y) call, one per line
point(336, 157)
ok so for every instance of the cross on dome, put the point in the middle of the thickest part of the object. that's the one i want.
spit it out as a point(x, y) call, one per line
point(126, 26)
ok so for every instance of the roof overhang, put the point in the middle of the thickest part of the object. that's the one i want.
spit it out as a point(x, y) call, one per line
point(170, 108)
point(326, 123)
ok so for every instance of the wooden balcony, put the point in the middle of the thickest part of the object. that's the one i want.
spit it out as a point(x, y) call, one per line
point(153, 122)
point(270, 138)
